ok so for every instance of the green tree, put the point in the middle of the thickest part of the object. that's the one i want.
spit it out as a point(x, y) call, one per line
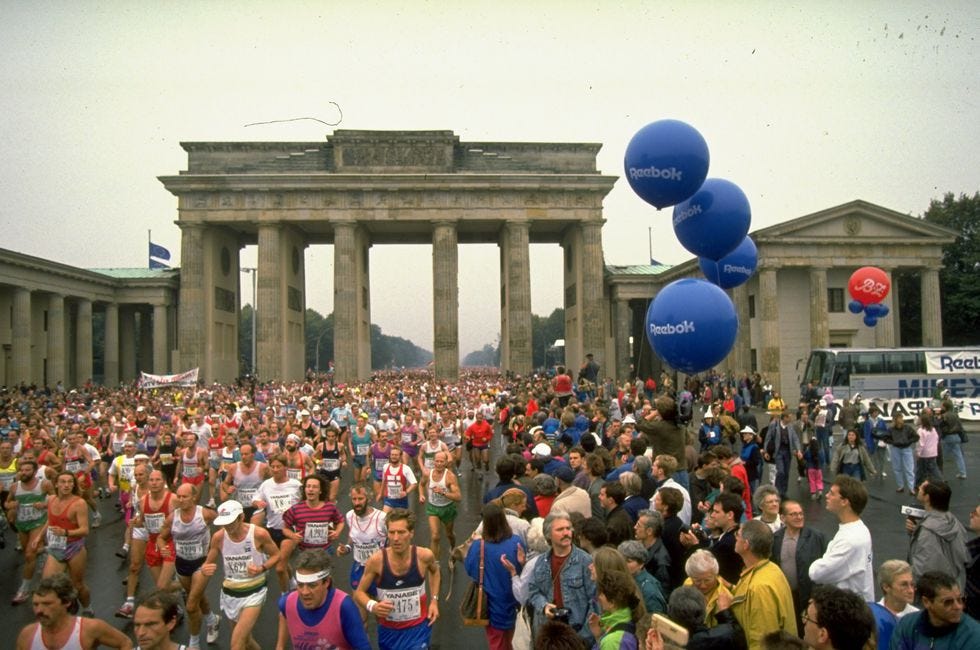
point(489, 355)
point(959, 279)
point(245, 317)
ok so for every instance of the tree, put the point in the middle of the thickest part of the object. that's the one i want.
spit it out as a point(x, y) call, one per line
point(959, 280)
point(544, 332)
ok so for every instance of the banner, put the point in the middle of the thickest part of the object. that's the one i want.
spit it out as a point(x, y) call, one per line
point(959, 362)
point(188, 378)
point(969, 408)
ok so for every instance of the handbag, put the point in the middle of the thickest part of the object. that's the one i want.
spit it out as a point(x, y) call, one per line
point(474, 607)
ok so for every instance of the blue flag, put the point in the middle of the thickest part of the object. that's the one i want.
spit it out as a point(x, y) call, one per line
point(154, 264)
point(159, 251)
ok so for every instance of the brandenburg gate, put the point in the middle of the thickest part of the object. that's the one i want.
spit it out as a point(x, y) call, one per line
point(361, 188)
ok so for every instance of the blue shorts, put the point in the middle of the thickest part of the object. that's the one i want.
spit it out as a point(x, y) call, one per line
point(397, 503)
point(356, 573)
point(417, 637)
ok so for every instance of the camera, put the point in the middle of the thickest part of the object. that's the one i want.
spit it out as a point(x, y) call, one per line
point(562, 614)
point(914, 513)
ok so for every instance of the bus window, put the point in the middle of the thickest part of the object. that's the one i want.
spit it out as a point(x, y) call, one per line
point(816, 368)
point(904, 363)
point(867, 363)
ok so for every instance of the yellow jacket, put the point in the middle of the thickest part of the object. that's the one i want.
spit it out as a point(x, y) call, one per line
point(767, 605)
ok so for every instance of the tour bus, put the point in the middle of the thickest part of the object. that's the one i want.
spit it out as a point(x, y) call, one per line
point(900, 379)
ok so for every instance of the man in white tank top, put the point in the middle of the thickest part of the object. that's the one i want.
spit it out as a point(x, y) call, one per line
point(56, 628)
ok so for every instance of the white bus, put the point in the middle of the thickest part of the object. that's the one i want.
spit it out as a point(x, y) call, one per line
point(900, 380)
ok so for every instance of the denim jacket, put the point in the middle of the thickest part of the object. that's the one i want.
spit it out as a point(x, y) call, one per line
point(577, 588)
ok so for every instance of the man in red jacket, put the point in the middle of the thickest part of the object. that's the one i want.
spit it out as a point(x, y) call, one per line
point(478, 435)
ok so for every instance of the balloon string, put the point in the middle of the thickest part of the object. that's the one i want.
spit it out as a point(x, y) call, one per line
point(297, 119)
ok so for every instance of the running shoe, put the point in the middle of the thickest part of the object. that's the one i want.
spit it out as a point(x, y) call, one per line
point(96, 519)
point(122, 553)
point(20, 597)
point(214, 628)
point(126, 611)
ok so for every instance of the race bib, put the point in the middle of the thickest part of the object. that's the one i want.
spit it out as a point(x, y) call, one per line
point(408, 437)
point(126, 472)
point(362, 450)
point(395, 488)
point(280, 502)
point(316, 533)
point(430, 462)
point(379, 464)
point(57, 542)
point(246, 495)
point(407, 603)
point(236, 566)
point(7, 480)
point(167, 459)
point(153, 522)
point(331, 464)
point(74, 466)
point(191, 471)
point(362, 552)
point(294, 473)
point(189, 549)
point(27, 512)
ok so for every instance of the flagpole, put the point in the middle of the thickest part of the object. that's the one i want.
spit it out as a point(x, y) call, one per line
point(149, 242)
point(650, 241)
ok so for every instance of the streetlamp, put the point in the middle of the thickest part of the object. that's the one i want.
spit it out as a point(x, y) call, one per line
point(254, 272)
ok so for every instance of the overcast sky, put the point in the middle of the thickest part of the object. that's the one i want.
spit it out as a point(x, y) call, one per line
point(803, 105)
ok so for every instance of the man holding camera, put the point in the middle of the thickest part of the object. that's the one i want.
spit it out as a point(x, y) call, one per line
point(938, 540)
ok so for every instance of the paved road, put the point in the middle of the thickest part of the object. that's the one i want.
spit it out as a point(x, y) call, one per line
point(107, 571)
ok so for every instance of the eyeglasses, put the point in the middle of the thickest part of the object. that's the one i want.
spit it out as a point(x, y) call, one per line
point(805, 617)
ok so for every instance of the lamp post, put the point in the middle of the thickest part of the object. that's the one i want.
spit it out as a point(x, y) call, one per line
point(254, 272)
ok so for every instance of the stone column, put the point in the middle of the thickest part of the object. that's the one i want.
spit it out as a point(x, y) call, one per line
point(819, 308)
point(593, 270)
point(145, 354)
point(624, 329)
point(445, 299)
point(362, 242)
point(127, 343)
point(56, 339)
point(769, 327)
point(111, 355)
point(518, 297)
point(83, 342)
point(161, 340)
point(741, 356)
point(345, 301)
point(269, 330)
point(932, 316)
point(192, 306)
point(885, 329)
point(895, 308)
point(20, 370)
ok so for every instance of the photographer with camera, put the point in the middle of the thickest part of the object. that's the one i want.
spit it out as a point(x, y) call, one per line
point(938, 540)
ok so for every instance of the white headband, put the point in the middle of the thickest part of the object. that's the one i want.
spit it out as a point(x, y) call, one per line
point(306, 578)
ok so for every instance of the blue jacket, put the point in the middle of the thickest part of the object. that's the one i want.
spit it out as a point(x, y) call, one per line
point(496, 579)
point(914, 632)
point(577, 588)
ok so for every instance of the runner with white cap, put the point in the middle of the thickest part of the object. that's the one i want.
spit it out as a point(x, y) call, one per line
point(247, 552)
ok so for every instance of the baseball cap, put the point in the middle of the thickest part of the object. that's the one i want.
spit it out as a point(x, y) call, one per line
point(541, 449)
point(565, 474)
point(228, 512)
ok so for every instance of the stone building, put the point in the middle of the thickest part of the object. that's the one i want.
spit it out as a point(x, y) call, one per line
point(797, 299)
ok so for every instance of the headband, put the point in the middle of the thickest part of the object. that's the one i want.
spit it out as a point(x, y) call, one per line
point(307, 578)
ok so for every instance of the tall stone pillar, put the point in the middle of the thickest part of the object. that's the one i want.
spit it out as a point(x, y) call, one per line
point(624, 329)
point(885, 330)
point(518, 298)
point(56, 340)
point(593, 270)
point(270, 331)
point(83, 342)
point(127, 343)
point(362, 243)
point(932, 316)
point(345, 327)
point(161, 340)
point(145, 357)
point(895, 308)
point(20, 370)
point(111, 355)
point(445, 299)
point(819, 308)
point(192, 307)
point(769, 326)
point(572, 284)
point(741, 355)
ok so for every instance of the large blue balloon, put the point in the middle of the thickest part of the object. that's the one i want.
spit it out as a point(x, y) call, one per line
point(714, 221)
point(666, 162)
point(691, 324)
point(733, 269)
point(855, 307)
point(870, 320)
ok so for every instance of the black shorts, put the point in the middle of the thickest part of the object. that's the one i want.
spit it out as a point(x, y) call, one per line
point(277, 535)
point(186, 568)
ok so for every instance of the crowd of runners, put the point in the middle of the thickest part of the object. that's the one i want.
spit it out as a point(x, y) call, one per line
point(240, 483)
